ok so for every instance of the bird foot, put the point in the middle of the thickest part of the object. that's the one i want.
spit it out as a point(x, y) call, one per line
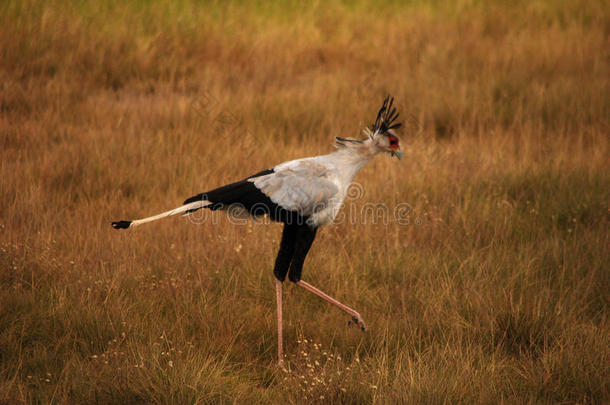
point(358, 321)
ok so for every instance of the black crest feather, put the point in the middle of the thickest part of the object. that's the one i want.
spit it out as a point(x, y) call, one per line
point(386, 117)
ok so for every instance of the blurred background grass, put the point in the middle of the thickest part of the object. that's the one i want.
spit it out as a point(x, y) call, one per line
point(496, 291)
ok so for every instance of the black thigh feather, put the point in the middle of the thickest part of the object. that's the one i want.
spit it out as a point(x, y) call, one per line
point(296, 242)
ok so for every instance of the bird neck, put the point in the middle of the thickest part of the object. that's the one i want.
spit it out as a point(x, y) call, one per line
point(353, 156)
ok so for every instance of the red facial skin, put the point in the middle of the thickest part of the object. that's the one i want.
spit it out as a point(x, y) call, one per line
point(394, 144)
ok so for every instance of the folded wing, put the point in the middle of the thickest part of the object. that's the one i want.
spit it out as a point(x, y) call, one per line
point(303, 186)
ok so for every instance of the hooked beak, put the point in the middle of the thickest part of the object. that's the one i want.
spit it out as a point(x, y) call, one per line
point(397, 153)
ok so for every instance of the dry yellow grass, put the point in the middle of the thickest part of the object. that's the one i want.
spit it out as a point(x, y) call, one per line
point(497, 291)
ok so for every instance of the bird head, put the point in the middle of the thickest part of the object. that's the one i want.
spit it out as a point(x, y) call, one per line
point(380, 136)
point(381, 133)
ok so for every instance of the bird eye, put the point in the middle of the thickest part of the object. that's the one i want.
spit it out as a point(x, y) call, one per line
point(393, 140)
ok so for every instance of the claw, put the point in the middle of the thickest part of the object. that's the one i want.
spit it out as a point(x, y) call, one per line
point(358, 321)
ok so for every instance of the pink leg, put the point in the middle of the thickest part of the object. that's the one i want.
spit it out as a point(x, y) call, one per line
point(280, 337)
point(355, 315)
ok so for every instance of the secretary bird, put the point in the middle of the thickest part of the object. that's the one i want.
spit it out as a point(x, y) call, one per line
point(304, 194)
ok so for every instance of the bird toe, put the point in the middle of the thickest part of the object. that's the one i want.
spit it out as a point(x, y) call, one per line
point(357, 320)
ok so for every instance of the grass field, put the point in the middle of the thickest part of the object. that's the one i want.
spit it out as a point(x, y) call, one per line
point(495, 288)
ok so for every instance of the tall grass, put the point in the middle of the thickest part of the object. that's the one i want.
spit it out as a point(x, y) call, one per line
point(496, 291)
